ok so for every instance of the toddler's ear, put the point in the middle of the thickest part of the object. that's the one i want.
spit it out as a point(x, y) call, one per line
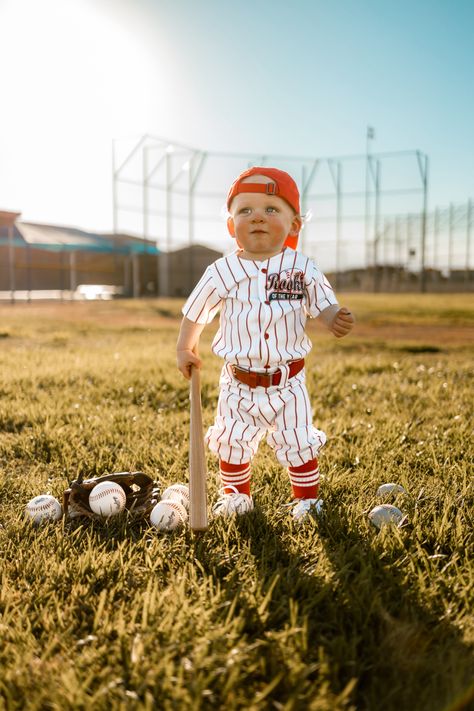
point(292, 237)
point(296, 226)
point(230, 226)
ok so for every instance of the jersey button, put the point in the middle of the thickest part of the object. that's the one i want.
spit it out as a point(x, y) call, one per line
point(264, 271)
point(267, 302)
point(266, 336)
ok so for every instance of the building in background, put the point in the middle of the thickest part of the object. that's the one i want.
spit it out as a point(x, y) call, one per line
point(49, 261)
point(184, 267)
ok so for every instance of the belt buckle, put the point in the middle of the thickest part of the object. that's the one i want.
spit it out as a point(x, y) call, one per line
point(249, 375)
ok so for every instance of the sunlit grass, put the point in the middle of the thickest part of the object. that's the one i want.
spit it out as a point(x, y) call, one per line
point(257, 613)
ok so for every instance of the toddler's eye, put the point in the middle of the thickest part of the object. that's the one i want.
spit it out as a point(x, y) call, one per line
point(244, 211)
point(271, 209)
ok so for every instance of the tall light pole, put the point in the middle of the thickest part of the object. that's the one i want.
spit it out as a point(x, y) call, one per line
point(370, 135)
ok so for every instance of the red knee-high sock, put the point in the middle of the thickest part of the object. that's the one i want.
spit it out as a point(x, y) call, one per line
point(235, 475)
point(305, 480)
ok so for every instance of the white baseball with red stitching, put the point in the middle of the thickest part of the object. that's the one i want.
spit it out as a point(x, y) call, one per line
point(107, 499)
point(177, 492)
point(43, 508)
point(384, 515)
point(168, 514)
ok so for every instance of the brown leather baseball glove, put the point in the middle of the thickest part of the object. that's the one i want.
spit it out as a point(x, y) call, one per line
point(142, 493)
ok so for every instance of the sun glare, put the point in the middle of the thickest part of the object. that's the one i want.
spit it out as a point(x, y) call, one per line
point(77, 77)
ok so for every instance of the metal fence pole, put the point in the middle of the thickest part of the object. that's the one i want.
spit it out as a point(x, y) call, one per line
point(11, 263)
point(370, 135)
point(72, 274)
point(114, 190)
point(376, 223)
point(28, 272)
point(303, 205)
point(397, 256)
point(436, 239)
point(337, 179)
point(409, 235)
point(190, 188)
point(135, 276)
point(306, 181)
point(424, 178)
point(450, 238)
point(468, 239)
point(145, 207)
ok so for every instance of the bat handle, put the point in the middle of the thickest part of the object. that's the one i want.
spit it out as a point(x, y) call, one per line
point(195, 382)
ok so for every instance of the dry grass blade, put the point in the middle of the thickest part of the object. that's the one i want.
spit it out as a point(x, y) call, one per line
point(259, 613)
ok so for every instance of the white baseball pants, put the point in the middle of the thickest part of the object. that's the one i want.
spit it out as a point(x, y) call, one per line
point(245, 415)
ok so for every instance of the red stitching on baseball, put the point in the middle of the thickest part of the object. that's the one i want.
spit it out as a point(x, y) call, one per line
point(106, 493)
point(174, 505)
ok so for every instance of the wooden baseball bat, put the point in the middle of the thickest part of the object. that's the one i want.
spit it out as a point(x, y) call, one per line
point(197, 459)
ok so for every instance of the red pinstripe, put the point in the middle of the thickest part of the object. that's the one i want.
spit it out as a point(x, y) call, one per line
point(203, 306)
point(299, 446)
point(261, 414)
point(238, 332)
point(230, 269)
point(230, 320)
point(283, 411)
point(288, 445)
point(220, 276)
point(260, 330)
point(248, 411)
point(308, 420)
point(243, 451)
point(223, 331)
point(238, 405)
point(243, 267)
point(229, 436)
point(270, 403)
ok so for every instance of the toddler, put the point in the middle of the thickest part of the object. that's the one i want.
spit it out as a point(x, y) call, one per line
point(265, 290)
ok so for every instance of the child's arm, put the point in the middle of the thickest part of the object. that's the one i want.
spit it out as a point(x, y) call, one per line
point(188, 340)
point(338, 320)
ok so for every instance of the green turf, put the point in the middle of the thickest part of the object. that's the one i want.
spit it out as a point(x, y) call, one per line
point(258, 613)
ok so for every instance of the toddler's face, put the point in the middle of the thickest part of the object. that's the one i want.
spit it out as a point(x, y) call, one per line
point(262, 223)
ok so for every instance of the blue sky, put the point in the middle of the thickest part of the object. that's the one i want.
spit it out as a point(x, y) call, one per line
point(266, 76)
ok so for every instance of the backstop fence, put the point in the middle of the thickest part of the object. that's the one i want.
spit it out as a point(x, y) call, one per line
point(367, 221)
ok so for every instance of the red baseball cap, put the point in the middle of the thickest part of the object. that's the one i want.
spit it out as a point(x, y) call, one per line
point(283, 186)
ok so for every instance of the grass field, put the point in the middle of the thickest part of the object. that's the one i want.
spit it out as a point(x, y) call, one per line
point(257, 613)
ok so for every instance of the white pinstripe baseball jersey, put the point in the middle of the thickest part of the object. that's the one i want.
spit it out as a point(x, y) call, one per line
point(264, 307)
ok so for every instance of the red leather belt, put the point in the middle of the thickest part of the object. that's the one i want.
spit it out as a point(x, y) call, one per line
point(265, 380)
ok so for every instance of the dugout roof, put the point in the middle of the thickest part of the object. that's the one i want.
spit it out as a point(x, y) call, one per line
point(57, 239)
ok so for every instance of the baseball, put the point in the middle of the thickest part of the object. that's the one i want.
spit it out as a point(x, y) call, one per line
point(107, 499)
point(43, 508)
point(385, 514)
point(177, 492)
point(390, 489)
point(168, 514)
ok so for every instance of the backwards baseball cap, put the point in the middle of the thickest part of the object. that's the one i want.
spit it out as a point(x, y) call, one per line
point(283, 186)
